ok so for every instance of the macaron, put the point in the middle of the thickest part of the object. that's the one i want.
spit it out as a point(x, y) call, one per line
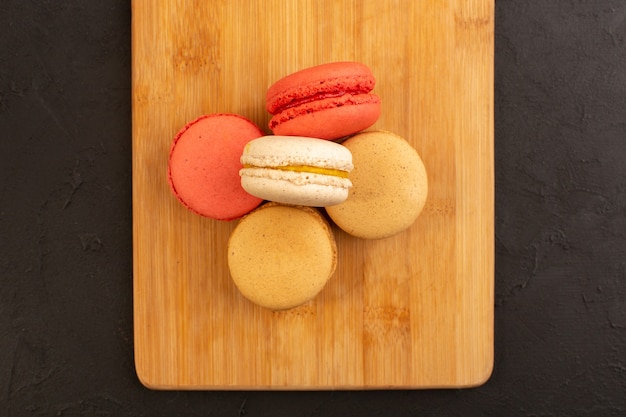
point(389, 186)
point(327, 101)
point(203, 166)
point(281, 256)
point(296, 170)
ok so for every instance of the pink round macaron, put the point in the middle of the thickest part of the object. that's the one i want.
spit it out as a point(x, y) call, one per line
point(203, 167)
point(327, 101)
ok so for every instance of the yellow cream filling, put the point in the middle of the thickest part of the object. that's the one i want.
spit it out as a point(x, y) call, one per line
point(310, 169)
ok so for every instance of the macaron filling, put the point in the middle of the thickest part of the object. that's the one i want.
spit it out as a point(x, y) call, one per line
point(318, 91)
point(299, 179)
point(319, 86)
point(308, 169)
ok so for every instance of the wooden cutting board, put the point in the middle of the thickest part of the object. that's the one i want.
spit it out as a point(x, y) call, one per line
point(411, 311)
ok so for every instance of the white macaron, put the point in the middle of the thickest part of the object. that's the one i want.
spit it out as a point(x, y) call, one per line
point(296, 170)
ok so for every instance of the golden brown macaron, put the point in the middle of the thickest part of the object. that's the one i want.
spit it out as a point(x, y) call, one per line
point(281, 256)
point(389, 186)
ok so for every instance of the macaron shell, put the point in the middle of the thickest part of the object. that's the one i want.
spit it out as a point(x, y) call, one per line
point(203, 167)
point(328, 119)
point(389, 187)
point(280, 257)
point(275, 151)
point(325, 78)
point(297, 188)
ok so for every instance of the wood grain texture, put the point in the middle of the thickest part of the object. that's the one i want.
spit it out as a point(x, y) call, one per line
point(411, 311)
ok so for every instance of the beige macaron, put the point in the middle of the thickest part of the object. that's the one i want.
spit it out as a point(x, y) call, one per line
point(296, 170)
point(281, 256)
point(389, 186)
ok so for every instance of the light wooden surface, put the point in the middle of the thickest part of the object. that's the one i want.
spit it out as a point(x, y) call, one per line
point(411, 311)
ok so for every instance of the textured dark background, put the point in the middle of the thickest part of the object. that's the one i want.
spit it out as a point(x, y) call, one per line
point(66, 344)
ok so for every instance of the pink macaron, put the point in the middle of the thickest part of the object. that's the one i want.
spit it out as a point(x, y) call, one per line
point(203, 167)
point(327, 101)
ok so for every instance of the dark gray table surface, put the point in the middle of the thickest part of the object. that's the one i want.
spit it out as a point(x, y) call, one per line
point(66, 335)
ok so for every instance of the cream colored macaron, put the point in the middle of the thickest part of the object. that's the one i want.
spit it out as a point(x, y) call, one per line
point(281, 256)
point(389, 186)
point(296, 170)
